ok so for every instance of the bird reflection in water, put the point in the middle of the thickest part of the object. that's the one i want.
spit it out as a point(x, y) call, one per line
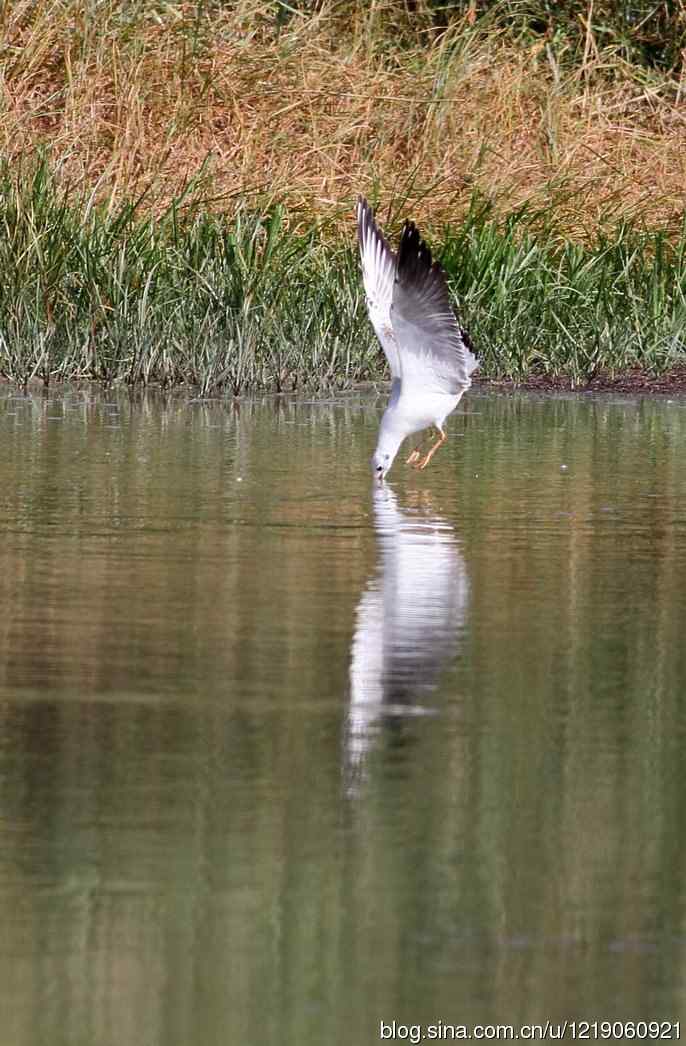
point(408, 623)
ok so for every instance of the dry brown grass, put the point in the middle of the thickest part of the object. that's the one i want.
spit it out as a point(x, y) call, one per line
point(330, 106)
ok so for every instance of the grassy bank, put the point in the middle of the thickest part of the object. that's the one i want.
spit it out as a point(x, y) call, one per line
point(178, 180)
point(255, 302)
point(181, 298)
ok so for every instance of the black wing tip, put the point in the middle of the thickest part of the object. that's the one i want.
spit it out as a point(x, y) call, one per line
point(415, 261)
point(414, 254)
point(416, 266)
point(468, 343)
point(367, 227)
point(365, 219)
point(365, 213)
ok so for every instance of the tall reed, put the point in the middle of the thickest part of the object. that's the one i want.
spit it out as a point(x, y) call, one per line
point(258, 302)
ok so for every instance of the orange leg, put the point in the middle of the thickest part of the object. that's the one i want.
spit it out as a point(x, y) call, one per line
point(416, 453)
point(442, 437)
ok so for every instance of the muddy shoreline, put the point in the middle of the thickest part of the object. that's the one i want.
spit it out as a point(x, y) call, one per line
point(638, 382)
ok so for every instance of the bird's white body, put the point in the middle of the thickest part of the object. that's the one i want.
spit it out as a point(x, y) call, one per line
point(411, 413)
point(429, 354)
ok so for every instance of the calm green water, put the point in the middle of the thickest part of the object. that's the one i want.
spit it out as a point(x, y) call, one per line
point(283, 755)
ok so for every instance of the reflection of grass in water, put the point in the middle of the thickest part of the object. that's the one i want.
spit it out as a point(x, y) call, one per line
point(253, 303)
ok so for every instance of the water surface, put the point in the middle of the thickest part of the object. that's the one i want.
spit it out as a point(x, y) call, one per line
point(284, 754)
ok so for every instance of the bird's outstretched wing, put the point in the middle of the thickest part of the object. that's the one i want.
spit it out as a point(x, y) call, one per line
point(435, 353)
point(378, 273)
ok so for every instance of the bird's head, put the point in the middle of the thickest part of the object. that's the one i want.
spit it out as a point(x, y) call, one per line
point(387, 445)
point(381, 462)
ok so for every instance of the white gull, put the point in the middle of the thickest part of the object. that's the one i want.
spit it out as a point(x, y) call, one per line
point(429, 354)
